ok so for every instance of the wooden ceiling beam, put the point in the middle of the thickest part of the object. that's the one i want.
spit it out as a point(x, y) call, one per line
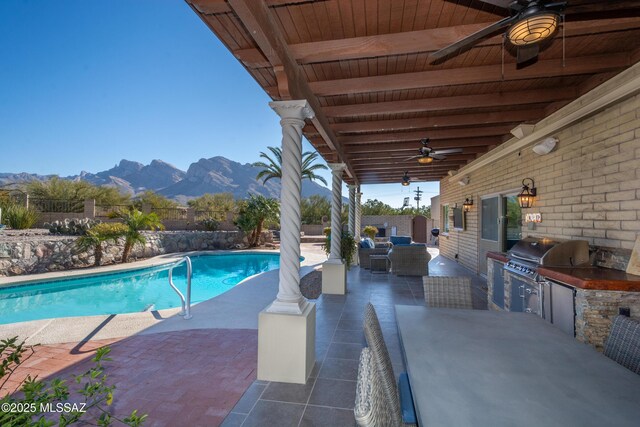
point(212, 7)
point(469, 144)
point(413, 42)
point(416, 136)
point(256, 17)
point(500, 99)
point(471, 75)
point(440, 121)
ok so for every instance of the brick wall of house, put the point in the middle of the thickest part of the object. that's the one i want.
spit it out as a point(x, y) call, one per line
point(588, 187)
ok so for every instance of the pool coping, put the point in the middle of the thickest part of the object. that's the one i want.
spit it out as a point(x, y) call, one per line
point(237, 308)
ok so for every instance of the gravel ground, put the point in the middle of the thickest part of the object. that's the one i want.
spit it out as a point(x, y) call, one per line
point(32, 234)
point(311, 285)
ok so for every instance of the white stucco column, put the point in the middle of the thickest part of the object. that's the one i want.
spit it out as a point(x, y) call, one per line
point(292, 113)
point(357, 220)
point(336, 210)
point(352, 210)
point(286, 329)
point(334, 271)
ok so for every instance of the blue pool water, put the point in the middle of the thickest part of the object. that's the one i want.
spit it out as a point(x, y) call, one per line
point(130, 291)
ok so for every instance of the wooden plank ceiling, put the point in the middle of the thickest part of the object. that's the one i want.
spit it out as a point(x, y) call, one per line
point(363, 65)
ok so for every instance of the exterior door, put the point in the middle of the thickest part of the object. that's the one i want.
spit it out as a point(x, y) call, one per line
point(500, 226)
point(419, 229)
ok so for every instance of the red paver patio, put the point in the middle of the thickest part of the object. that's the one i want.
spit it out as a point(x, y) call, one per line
point(192, 377)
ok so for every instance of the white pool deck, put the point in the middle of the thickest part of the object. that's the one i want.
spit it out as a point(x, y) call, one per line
point(236, 309)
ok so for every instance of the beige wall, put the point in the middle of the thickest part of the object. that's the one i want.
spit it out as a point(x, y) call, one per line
point(404, 223)
point(588, 188)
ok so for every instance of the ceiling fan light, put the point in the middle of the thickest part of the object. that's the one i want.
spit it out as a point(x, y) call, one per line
point(405, 179)
point(425, 160)
point(533, 29)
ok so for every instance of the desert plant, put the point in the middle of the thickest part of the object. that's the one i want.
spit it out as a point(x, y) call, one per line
point(273, 166)
point(215, 205)
point(347, 246)
point(136, 221)
point(210, 224)
point(37, 397)
point(96, 236)
point(370, 231)
point(155, 200)
point(254, 214)
point(71, 227)
point(62, 189)
point(19, 217)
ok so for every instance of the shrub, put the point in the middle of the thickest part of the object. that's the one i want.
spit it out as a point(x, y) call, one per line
point(347, 246)
point(37, 395)
point(210, 224)
point(71, 227)
point(19, 217)
point(370, 231)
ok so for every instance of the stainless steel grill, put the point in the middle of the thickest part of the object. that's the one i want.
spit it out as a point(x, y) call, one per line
point(528, 293)
point(531, 252)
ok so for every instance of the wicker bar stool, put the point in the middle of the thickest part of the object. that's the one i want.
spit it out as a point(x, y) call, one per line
point(448, 292)
point(382, 361)
point(623, 343)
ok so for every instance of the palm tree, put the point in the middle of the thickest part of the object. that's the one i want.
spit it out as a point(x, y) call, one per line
point(97, 235)
point(136, 221)
point(273, 166)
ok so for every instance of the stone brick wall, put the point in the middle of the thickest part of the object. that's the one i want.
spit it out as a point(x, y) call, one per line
point(41, 253)
point(588, 188)
point(403, 222)
point(595, 311)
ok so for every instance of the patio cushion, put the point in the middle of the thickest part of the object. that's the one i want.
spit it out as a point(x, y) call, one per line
point(400, 240)
point(367, 243)
point(406, 400)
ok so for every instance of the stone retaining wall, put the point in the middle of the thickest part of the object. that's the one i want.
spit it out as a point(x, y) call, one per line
point(28, 253)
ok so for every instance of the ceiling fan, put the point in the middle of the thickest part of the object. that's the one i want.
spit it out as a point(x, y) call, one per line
point(530, 22)
point(427, 154)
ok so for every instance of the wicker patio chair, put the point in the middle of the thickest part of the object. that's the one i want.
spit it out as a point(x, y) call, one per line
point(384, 367)
point(410, 260)
point(448, 292)
point(381, 358)
point(623, 343)
point(371, 407)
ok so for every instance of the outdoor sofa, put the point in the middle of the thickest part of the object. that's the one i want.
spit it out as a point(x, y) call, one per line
point(367, 248)
point(410, 259)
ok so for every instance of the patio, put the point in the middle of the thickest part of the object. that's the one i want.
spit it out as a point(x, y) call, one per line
point(204, 396)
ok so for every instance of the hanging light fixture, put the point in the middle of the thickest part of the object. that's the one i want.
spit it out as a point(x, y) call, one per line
point(425, 160)
point(405, 179)
point(535, 25)
point(468, 202)
point(528, 194)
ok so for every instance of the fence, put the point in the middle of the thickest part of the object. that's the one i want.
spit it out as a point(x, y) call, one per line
point(173, 219)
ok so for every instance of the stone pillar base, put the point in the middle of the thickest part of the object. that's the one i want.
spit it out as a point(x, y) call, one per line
point(287, 345)
point(334, 277)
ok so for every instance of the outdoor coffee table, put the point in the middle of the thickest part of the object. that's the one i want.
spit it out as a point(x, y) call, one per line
point(379, 264)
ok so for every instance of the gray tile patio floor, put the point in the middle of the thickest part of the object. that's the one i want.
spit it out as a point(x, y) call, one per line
point(327, 398)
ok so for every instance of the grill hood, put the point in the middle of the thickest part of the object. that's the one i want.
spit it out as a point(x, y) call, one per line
point(550, 252)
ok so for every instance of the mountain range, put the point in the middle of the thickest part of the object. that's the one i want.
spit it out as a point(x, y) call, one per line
point(214, 175)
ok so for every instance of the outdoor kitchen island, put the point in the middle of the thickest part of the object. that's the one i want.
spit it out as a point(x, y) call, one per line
point(591, 297)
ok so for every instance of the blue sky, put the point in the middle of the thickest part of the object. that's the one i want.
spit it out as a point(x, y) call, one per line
point(84, 84)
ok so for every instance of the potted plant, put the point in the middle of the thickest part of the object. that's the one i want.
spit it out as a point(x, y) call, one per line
point(370, 231)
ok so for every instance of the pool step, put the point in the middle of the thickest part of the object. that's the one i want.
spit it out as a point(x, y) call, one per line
point(150, 307)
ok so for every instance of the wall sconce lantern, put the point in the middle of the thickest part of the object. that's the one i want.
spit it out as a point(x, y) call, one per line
point(405, 179)
point(528, 194)
point(468, 202)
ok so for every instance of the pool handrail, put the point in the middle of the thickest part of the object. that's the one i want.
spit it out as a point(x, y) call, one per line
point(186, 303)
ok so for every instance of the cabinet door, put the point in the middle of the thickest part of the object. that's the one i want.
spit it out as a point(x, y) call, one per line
point(562, 309)
point(498, 283)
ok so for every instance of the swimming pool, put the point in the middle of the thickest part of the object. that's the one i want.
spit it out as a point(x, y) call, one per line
point(130, 291)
